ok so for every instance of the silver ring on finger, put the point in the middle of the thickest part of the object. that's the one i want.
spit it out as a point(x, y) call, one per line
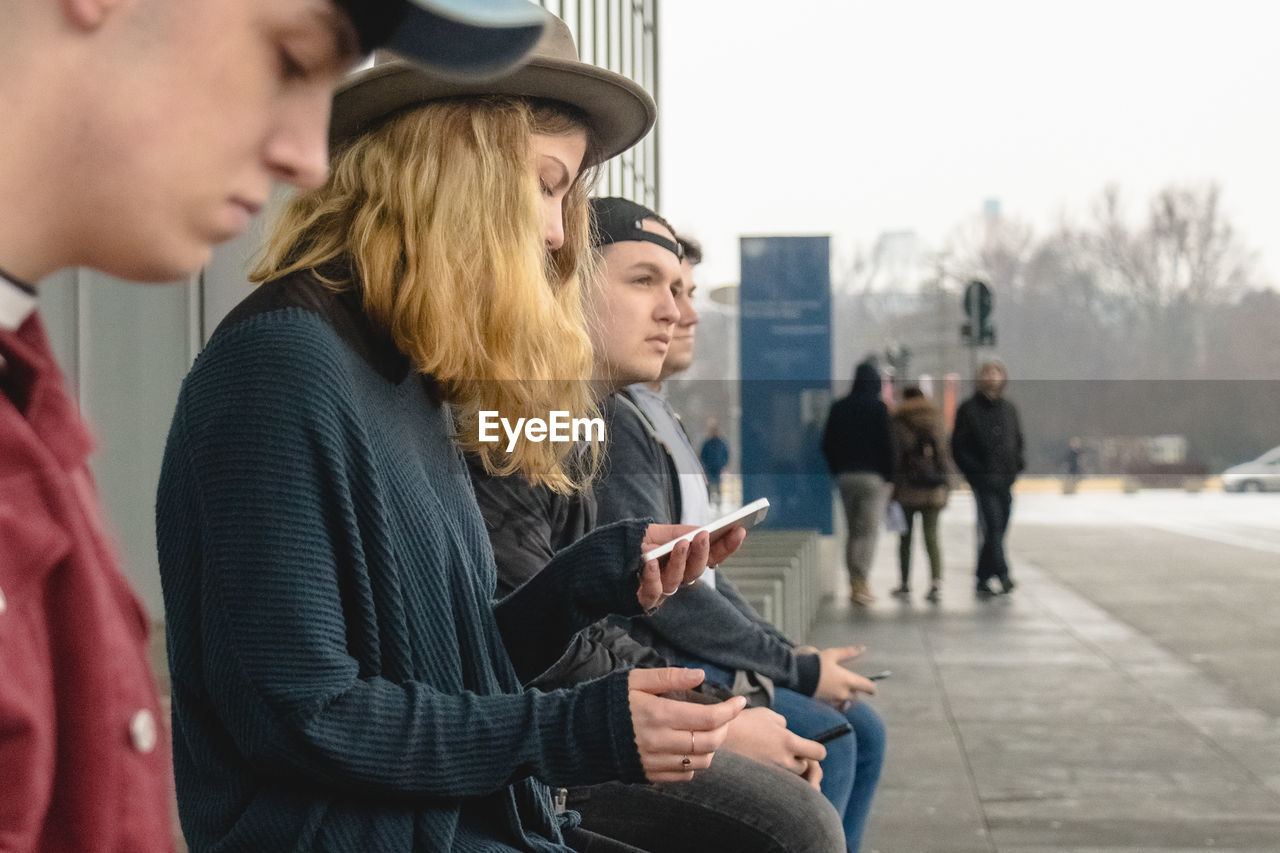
point(693, 744)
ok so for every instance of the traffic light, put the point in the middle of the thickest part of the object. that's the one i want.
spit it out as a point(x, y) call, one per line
point(978, 305)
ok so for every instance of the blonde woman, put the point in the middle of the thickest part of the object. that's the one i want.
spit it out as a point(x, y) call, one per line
point(341, 677)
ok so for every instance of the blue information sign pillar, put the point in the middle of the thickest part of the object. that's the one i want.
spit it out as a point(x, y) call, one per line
point(784, 305)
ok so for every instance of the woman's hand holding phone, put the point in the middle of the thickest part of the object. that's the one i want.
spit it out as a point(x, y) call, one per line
point(685, 563)
point(676, 739)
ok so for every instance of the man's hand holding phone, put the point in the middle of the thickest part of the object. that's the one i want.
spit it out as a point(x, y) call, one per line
point(762, 735)
point(839, 686)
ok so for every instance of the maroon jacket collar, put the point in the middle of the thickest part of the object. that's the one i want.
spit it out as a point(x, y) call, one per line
point(34, 391)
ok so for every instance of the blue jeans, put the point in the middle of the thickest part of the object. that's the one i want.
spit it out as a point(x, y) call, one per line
point(851, 769)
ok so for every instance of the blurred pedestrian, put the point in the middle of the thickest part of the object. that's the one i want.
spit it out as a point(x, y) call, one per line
point(859, 450)
point(714, 455)
point(137, 136)
point(1071, 460)
point(919, 484)
point(987, 445)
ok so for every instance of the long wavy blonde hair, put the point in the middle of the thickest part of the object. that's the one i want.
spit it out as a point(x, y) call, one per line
point(434, 216)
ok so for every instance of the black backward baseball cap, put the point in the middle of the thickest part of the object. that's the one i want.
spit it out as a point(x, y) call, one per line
point(459, 38)
point(619, 220)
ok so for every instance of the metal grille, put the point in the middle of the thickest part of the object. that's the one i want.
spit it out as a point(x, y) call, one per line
point(621, 35)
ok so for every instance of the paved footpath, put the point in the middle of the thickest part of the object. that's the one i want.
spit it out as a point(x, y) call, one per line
point(1124, 698)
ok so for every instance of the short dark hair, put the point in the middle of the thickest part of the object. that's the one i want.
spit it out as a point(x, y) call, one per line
point(692, 249)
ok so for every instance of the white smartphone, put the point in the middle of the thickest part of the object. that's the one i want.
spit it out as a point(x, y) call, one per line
point(749, 516)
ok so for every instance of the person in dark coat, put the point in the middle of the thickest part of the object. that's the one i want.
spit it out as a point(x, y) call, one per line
point(919, 483)
point(988, 448)
point(714, 456)
point(859, 451)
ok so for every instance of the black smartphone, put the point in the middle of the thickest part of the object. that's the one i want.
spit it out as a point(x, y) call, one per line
point(833, 733)
point(880, 676)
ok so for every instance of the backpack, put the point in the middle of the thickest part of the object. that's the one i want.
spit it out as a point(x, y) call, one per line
point(923, 464)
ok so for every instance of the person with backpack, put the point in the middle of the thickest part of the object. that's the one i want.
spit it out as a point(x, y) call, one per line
point(919, 484)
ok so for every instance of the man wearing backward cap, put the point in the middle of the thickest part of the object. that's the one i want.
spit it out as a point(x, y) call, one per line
point(710, 625)
point(139, 134)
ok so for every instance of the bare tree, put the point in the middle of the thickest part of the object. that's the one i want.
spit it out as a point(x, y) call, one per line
point(994, 249)
point(1111, 297)
point(1186, 251)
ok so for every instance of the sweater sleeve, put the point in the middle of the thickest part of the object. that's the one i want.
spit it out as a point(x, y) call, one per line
point(703, 623)
point(726, 588)
point(520, 519)
point(592, 578)
point(809, 665)
point(631, 485)
point(256, 541)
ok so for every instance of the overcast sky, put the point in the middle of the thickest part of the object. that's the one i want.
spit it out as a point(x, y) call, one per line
point(852, 118)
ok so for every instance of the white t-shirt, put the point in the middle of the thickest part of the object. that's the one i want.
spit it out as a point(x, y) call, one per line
point(695, 506)
point(16, 303)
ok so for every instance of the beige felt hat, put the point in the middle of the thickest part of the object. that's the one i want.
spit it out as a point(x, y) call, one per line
point(618, 109)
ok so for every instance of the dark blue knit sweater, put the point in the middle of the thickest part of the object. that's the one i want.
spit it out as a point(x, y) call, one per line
point(341, 678)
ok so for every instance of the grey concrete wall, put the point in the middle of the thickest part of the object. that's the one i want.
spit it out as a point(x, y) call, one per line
point(125, 349)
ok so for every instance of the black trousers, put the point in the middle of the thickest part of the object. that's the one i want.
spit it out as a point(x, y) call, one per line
point(585, 841)
point(994, 508)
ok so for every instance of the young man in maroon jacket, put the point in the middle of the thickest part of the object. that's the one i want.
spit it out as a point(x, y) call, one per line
point(137, 135)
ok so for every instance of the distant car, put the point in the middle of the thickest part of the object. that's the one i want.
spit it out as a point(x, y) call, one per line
point(1260, 475)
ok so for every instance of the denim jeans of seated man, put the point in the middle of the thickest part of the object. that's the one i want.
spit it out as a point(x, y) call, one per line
point(851, 770)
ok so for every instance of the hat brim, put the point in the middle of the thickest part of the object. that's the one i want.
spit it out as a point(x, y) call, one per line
point(618, 109)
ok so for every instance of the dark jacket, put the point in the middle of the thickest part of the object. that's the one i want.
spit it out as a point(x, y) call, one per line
point(921, 455)
point(639, 477)
point(714, 456)
point(987, 442)
point(342, 679)
point(527, 525)
point(714, 624)
point(856, 437)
